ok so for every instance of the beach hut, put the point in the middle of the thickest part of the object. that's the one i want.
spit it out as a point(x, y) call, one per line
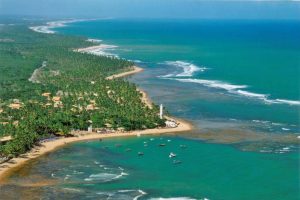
point(5, 139)
point(56, 99)
point(15, 106)
point(46, 94)
point(90, 107)
point(171, 124)
point(121, 129)
point(108, 125)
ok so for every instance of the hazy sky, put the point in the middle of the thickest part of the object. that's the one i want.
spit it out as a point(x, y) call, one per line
point(249, 9)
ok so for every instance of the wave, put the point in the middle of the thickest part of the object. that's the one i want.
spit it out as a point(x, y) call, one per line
point(213, 84)
point(55, 24)
point(141, 193)
point(94, 40)
point(105, 177)
point(265, 98)
point(123, 194)
point(100, 50)
point(188, 69)
point(236, 89)
point(136, 61)
point(175, 198)
point(290, 102)
point(250, 94)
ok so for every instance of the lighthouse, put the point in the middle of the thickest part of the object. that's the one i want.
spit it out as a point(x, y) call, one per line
point(161, 111)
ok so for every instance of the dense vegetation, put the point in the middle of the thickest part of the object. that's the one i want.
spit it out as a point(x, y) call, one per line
point(69, 91)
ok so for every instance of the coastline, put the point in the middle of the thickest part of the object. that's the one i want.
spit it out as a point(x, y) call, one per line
point(135, 70)
point(7, 168)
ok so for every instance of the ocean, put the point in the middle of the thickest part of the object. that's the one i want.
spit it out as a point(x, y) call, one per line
point(236, 81)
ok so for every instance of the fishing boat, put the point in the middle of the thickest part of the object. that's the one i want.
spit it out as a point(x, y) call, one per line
point(172, 155)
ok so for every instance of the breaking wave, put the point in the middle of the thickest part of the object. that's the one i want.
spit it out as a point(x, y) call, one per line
point(236, 89)
point(213, 84)
point(188, 69)
point(105, 177)
point(100, 50)
point(94, 40)
point(176, 198)
point(55, 24)
point(123, 194)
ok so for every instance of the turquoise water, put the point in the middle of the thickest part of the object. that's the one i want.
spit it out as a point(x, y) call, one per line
point(107, 170)
point(236, 81)
point(243, 70)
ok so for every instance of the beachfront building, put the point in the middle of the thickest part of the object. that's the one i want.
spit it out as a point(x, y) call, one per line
point(171, 124)
point(16, 106)
point(5, 139)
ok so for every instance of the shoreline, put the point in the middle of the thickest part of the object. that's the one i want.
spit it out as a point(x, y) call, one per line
point(135, 70)
point(7, 168)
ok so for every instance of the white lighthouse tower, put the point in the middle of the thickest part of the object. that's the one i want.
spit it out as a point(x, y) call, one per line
point(161, 110)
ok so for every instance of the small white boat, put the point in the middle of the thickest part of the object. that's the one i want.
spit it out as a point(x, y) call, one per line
point(172, 155)
point(140, 153)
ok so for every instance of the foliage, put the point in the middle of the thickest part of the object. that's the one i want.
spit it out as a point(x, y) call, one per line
point(77, 79)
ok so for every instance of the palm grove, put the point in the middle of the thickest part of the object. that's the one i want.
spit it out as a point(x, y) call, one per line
point(69, 92)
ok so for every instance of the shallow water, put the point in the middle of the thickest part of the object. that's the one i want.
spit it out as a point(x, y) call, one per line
point(108, 170)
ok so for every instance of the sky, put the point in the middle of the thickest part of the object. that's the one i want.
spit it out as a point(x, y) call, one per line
point(204, 9)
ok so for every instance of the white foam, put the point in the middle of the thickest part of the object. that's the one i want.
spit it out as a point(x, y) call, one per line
point(142, 193)
point(290, 102)
point(235, 89)
point(99, 50)
point(94, 40)
point(55, 24)
point(188, 69)
point(73, 189)
point(213, 84)
point(123, 194)
point(175, 198)
point(251, 94)
point(105, 177)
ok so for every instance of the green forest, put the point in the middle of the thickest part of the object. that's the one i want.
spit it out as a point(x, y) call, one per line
point(47, 90)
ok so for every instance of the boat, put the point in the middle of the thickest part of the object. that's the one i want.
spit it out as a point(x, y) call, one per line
point(176, 162)
point(140, 153)
point(162, 145)
point(183, 146)
point(172, 155)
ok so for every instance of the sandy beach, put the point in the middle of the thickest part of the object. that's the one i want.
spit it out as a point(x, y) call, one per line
point(9, 167)
point(131, 72)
